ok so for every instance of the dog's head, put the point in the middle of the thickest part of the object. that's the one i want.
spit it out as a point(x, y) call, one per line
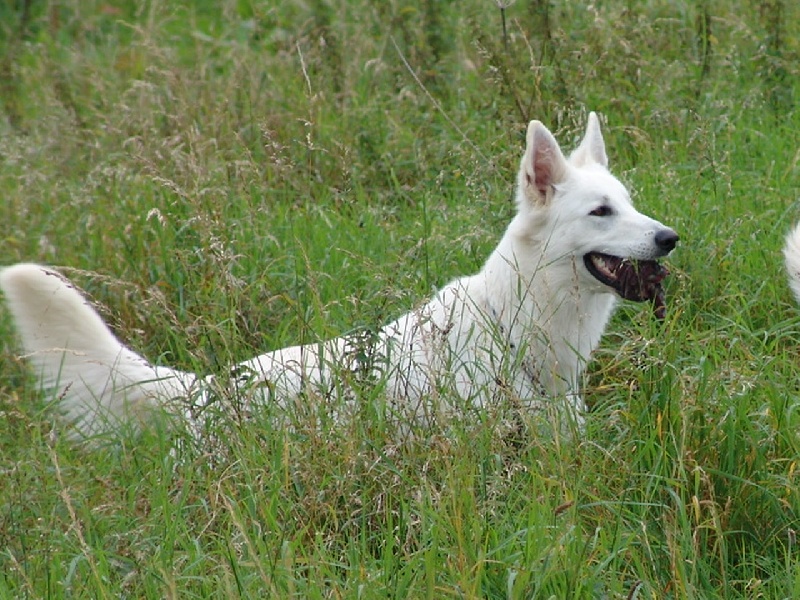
point(577, 211)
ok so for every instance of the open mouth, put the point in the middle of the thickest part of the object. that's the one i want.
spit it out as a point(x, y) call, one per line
point(638, 280)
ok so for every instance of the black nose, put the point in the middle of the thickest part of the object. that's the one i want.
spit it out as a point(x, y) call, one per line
point(666, 239)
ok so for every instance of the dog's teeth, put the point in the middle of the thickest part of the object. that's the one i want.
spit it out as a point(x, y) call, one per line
point(600, 263)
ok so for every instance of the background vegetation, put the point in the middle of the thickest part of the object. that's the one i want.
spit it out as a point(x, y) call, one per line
point(227, 177)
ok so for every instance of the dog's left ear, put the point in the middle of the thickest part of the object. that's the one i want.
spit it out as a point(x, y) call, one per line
point(592, 149)
point(543, 165)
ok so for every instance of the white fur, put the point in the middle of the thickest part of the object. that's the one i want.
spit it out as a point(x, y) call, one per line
point(791, 254)
point(520, 330)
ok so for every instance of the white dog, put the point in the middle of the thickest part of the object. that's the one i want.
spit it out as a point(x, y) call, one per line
point(521, 330)
point(791, 254)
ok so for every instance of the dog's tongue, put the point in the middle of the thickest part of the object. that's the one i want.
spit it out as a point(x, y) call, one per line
point(641, 282)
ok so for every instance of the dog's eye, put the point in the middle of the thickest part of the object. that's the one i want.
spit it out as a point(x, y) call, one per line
point(603, 210)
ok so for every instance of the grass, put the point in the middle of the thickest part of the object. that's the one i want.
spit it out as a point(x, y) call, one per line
point(230, 177)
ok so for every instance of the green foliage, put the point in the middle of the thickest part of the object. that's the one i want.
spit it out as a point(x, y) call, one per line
point(229, 177)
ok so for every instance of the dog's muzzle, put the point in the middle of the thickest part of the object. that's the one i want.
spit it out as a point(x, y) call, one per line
point(637, 280)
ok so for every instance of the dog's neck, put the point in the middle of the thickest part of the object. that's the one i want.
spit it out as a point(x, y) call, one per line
point(535, 302)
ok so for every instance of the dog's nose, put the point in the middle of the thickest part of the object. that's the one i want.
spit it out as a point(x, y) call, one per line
point(666, 239)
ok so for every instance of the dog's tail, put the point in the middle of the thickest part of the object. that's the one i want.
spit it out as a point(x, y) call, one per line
point(791, 254)
point(96, 381)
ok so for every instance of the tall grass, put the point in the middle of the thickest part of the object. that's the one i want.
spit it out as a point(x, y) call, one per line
point(229, 177)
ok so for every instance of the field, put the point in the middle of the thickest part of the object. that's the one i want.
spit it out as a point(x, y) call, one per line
point(224, 178)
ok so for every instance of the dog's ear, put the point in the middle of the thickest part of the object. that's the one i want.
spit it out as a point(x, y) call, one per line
point(592, 149)
point(543, 166)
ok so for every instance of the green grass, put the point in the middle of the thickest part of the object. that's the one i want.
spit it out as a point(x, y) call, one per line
point(229, 177)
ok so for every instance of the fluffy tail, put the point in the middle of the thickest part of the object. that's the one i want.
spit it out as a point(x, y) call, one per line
point(791, 254)
point(97, 381)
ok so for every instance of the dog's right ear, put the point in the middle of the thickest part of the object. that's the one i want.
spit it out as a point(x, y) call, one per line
point(592, 149)
point(543, 165)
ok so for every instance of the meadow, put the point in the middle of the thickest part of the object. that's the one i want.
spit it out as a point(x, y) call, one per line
point(224, 178)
